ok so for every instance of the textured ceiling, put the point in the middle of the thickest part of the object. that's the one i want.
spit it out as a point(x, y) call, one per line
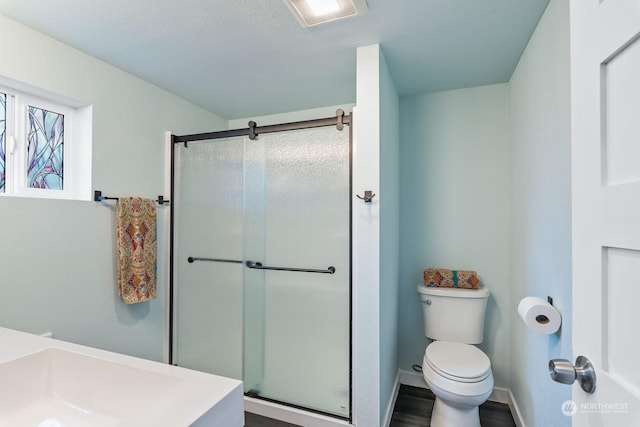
point(243, 58)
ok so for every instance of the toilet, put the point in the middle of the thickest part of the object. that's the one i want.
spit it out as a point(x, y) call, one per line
point(457, 372)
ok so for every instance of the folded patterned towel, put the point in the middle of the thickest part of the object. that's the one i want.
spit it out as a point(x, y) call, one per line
point(443, 278)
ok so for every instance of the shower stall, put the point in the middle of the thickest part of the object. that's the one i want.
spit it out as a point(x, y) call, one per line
point(260, 256)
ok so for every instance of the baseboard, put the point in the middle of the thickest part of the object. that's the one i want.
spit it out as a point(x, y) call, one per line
point(515, 411)
point(291, 415)
point(499, 394)
point(412, 378)
point(392, 402)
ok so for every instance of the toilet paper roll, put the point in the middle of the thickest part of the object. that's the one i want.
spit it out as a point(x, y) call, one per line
point(539, 316)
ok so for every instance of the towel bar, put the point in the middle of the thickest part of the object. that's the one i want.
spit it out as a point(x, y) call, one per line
point(192, 259)
point(98, 197)
point(259, 266)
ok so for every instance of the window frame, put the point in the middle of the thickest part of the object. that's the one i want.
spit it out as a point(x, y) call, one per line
point(76, 152)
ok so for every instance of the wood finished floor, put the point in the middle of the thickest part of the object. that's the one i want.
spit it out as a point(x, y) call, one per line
point(413, 409)
point(414, 405)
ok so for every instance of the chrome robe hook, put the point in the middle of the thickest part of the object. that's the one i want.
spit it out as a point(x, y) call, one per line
point(368, 196)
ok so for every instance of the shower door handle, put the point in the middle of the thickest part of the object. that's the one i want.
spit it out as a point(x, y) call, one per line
point(259, 266)
point(192, 259)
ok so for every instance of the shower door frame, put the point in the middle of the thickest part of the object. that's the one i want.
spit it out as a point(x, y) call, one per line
point(252, 131)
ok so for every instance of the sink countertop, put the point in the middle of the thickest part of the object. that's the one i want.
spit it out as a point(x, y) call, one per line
point(199, 399)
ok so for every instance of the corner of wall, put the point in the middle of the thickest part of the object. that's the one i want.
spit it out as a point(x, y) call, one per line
point(389, 232)
point(540, 238)
point(366, 240)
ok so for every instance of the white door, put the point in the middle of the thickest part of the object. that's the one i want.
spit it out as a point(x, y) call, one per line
point(605, 75)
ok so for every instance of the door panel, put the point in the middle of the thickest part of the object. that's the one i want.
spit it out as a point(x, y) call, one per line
point(621, 90)
point(621, 294)
point(208, 209)
point(306, 225)
point(606, 202)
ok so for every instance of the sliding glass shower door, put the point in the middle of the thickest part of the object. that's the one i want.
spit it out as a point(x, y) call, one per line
point(261, 264)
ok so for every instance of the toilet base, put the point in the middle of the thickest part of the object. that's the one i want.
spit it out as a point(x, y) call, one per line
point(445, 415)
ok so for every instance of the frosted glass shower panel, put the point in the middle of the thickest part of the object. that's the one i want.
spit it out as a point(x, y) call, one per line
point(253, 250)
point(281, 200)
point(306, 225)
point(209, 203)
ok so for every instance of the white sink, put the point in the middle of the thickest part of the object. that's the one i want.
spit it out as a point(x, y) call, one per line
point(66, 385)
point(56, 388)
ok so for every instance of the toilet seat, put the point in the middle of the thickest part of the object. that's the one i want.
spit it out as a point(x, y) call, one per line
point(458, 362)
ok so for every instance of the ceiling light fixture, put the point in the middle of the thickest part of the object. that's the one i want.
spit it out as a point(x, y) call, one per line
point(323, 7)
point(314, 12)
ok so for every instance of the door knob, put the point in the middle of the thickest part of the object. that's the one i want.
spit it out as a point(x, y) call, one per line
point(562, 371)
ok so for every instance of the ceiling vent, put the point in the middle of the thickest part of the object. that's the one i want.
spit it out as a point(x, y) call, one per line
point(315, 12)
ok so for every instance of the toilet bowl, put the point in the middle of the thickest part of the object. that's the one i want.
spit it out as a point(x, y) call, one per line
point(460, 377)
point(457, 372)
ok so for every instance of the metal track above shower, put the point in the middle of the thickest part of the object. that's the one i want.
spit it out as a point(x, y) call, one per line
point(253, 130)
point(258, 265)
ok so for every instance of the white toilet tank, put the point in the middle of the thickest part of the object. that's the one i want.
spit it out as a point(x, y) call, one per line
point(454, 314)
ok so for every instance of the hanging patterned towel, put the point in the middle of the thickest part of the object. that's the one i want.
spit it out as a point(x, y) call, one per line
point(443, 278)
point(137, 249)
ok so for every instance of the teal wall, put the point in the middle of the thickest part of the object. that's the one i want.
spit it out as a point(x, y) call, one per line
point(454, 207)
point(389, 199)
point(486, 185)
point(57, 257)
point(540, 227)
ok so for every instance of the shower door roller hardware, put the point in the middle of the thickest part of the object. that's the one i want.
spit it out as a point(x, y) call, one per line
point(562, 371)
point(368, 196)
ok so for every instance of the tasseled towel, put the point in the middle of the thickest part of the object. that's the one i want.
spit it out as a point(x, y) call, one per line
point(443, 278)
point(137, 249)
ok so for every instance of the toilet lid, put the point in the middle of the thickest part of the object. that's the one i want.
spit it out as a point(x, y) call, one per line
point(457, 361)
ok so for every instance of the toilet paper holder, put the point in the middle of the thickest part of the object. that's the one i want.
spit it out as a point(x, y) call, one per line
point(540, 315)
point(542, 318)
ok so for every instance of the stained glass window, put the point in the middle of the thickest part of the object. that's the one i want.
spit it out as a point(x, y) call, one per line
point(45, 144)
point(3, 129)
point(45, 147)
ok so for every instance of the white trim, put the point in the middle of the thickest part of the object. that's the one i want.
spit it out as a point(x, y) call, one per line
point(500, 395)
point(77, 161)
point(366, 241)
point(515, 411)
point(291, 415)
point(414, 379)
point(392, 402)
